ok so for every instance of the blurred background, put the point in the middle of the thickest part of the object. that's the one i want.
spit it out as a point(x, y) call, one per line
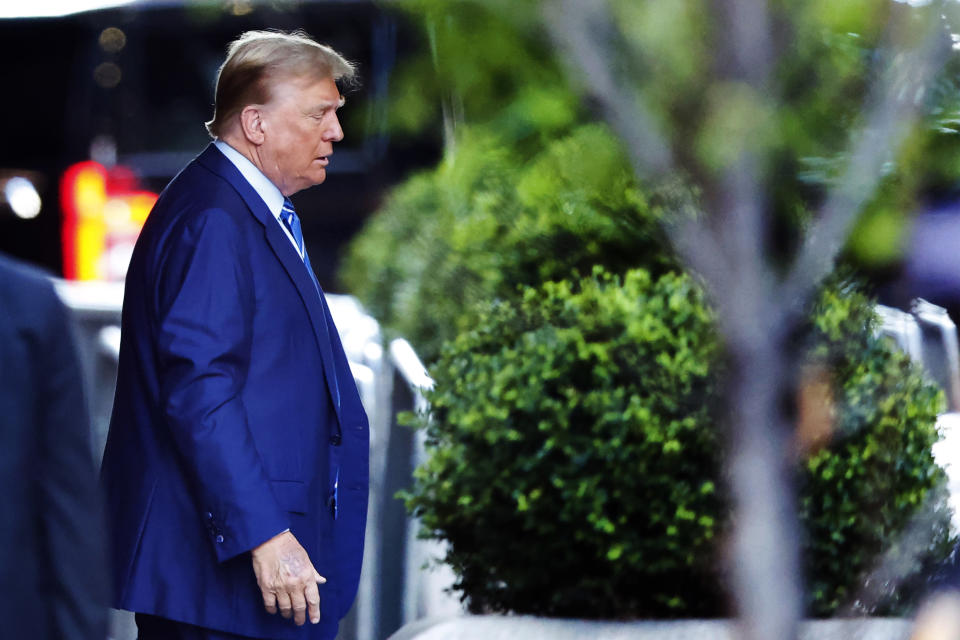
point(107, 105)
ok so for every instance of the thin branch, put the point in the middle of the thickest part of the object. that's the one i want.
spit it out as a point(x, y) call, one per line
point(732, 251)
point(896, 563)
point(748, 45)
point(698, 250)
point(746, 50)
point(577, 27)
point(747, 288)
point(896, 108)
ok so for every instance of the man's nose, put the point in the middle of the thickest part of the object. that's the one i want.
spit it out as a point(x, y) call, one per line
point(334, 131)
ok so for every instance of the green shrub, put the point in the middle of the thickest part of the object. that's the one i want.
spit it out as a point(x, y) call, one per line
point(574, 452)
point(394, 264)
point(488, 221)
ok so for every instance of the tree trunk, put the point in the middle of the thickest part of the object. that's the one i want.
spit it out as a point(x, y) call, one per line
point(764, 557)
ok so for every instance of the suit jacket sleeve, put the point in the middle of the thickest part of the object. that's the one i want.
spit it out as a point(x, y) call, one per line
point(70, 508)
point(205, 312)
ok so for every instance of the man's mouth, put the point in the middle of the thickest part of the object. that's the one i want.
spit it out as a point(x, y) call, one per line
point(324, 160)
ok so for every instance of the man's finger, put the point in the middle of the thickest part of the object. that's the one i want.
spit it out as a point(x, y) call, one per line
point(283, 602)
point(270, 602)
point(299, 607)
point(313, 602)
point(319, 578)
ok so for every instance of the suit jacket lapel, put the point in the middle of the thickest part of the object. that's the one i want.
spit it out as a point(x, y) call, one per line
point(288, 257)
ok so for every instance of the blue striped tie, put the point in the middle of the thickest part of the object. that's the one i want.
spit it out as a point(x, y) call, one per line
point(289, 217)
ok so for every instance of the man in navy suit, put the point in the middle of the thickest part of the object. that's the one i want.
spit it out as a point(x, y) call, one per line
point(53, 570)
point(236, 464)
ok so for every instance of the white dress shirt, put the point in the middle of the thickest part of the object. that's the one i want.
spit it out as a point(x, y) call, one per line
point(261, 184)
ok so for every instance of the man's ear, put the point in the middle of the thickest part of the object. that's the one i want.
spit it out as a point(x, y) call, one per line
point(252, 124)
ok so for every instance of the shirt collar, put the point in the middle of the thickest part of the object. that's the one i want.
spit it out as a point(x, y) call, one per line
point(268, 191)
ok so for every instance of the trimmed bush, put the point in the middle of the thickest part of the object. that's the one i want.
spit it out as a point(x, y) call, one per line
point(491, 220)
point(575, 454)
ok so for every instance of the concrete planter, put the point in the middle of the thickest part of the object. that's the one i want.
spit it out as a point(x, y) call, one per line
point(531, 628)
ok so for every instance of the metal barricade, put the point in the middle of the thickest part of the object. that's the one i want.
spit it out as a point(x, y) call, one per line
point(941, 358)
point(929, 336)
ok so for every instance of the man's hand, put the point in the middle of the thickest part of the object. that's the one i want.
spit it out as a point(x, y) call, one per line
point(287, 578)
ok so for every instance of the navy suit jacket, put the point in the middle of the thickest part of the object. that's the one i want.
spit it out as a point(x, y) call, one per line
point(53, 569)
point(234, 407)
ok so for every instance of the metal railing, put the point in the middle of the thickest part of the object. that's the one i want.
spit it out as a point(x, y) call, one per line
point(928, 335)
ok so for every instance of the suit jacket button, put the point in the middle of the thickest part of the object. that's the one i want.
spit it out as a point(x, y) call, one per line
point(335, 440)
point(209, 516)
point(219, 539)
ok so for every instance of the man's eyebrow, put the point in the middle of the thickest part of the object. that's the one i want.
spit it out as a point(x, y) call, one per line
point(323, 106)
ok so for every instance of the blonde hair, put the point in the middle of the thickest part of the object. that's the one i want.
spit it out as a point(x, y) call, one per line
point(258, 58)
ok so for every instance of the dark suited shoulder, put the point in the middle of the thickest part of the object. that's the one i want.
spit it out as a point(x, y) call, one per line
point(196, 206)
point(195, 194)
point(24, 289)
point(53, 574)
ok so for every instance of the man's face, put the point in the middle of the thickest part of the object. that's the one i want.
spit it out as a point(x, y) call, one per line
point(300, 126)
